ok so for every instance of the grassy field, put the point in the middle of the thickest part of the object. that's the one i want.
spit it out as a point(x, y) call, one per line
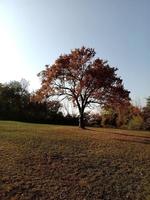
point(48, 162)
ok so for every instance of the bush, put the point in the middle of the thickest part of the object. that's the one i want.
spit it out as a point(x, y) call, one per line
point(135, 123)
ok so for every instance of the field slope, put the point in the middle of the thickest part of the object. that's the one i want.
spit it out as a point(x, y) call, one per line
point(48, 162)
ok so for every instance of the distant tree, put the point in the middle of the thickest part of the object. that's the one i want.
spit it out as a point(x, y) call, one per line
point(93, 119)
point(136, 123)
point(13, 100)
point(128, 116)
point(146, 115)
point(53, 106)
point(148, 102)
point(109, 117)
point(53, 111)
point(45, 111)
point(84, 80)
point(16, 104)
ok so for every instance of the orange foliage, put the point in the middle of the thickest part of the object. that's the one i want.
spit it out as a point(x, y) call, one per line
point(83, 79)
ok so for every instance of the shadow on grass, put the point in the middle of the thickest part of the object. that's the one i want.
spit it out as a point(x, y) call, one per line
point(143, 141)
point(119, 133)
point(125, 137)
point(129, 135)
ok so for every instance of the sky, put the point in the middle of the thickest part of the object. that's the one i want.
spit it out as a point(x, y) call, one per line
point(35, 32)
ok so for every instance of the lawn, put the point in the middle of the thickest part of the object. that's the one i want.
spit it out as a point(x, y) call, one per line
point(48, 162)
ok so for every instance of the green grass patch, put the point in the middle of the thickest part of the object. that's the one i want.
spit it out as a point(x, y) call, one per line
point(64, 162)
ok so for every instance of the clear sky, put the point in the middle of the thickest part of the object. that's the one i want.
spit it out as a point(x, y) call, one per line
point(35, 32)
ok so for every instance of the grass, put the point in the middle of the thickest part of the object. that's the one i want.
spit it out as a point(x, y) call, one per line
point(48, 162)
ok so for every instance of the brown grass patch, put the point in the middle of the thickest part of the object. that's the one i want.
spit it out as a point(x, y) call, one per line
point(62, 162)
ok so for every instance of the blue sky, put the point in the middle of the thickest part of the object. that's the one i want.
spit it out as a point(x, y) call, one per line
point(35, 32)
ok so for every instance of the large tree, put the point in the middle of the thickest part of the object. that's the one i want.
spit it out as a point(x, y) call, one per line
point(84, 80)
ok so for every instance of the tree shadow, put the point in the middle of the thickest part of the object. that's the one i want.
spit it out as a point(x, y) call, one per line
point(131, 135)
point(125, 137)
point(145, 141)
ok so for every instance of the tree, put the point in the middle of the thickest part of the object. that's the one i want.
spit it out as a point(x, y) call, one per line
point(43, 112)
point(13, 100)
point(84, 80)
point(136, 123)
point(127, 117)
point(93, 119)
point(148, 102)
point(16, 104)
point(146, 115)
point(109, 117)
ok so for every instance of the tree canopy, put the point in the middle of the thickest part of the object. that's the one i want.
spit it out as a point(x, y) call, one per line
point(16, 104)
point(83, 79)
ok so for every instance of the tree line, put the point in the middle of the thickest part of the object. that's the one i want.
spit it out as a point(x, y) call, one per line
point(130, 117)
point(82, 79)
point(16, 103)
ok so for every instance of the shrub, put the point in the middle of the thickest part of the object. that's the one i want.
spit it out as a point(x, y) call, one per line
point(135, 123)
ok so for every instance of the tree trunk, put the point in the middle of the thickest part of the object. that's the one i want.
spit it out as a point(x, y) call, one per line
point(81, 121)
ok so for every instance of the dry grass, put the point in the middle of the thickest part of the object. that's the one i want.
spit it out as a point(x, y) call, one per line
point(48, 162)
